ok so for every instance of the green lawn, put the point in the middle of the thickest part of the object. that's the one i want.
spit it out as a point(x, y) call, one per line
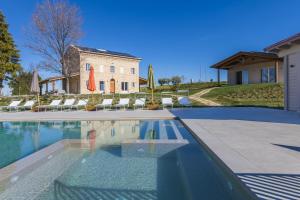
point(192, 87)
point(265, 95)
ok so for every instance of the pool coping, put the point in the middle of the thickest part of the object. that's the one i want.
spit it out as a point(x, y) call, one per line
point(86, 115)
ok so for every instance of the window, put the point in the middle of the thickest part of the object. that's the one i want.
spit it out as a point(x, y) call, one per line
point(112, 69)
point(124, 86)
point(268, 75)
point(121, 70)
point(133, 84)
point(101, 68)
point(132, 70)
point(87, 66)
point(245, 77)
point(272, 75)
point(102, 85)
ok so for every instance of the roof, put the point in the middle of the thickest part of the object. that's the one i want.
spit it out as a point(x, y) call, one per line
point(142, 81)
point(240, 58)
point(284, 44)
point(107, 52)
point(56, 78)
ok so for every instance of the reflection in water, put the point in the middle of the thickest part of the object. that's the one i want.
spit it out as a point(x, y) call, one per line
point(19, 139)
point(36, 137)
point(110, 132)
point(10, 144)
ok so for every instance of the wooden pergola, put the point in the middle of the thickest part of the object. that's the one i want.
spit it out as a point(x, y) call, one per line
point(52, 81)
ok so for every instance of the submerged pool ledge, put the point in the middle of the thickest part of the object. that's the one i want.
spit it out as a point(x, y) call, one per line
point(12, 172)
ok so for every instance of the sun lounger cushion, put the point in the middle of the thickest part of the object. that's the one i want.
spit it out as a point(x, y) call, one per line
point(106, 102)
point(82, 102)
point(184, 101)
point(139, 102)
point(14, 104)
point(167, 101)
point(29, 103)
point(69, 102)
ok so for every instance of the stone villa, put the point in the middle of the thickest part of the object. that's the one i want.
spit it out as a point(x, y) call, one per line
point(114, 72)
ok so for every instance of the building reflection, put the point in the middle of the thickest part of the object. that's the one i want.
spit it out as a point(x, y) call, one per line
point(100, 133)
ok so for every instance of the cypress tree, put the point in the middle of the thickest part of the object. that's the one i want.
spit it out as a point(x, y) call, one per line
point(9, 55)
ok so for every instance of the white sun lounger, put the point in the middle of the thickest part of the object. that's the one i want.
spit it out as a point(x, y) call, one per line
point(54, 104)
point(28, 105)
point(67, 104)
point(167, 102)
point(123, 103)
point(106, 103)
point(139, 103)
point(80, 103)
point(12, 106)
point(184, 101)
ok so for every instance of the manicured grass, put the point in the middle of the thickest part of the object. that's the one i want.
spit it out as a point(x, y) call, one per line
point(192, 87)
point(265, 95)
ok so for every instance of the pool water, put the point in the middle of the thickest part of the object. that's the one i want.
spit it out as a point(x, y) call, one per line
point(118, 160)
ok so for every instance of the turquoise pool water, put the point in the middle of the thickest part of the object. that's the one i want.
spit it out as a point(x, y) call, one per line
point(117, 160)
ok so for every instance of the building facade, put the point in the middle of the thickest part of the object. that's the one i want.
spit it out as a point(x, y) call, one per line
point(252, 67)
point(289, 50)
point(114, 72)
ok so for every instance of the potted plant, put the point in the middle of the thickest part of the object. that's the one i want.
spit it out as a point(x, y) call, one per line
point(90, 107)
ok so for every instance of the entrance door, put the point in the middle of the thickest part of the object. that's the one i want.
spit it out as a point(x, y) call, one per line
point(239, 77)
point(293, 92)
point(112, 86)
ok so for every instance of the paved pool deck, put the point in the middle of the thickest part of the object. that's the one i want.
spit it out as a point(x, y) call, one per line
point(249, 140)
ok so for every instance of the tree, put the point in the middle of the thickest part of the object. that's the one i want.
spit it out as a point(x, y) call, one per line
point(162, 81)
point(168, 81)
point(56, 25)
point(21, 83)
point(9, 55)
point(176, 80)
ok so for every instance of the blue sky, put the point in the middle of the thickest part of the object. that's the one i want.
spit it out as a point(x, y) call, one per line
point(177, 37)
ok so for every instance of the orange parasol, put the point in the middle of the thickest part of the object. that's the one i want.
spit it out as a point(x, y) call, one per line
point(91, 84)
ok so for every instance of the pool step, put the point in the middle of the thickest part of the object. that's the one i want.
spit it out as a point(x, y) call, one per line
point(65, 192)
point(151, 148)
point(162, 129)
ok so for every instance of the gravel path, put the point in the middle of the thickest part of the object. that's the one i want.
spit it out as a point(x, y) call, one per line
point(198, 97)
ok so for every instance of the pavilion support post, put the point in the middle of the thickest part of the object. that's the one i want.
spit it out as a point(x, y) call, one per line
point(53, 86)
point(218, 76)
point(47, 87)
point(41, 89)
point(277, 71)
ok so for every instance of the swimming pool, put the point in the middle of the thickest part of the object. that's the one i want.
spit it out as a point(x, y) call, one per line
point(119, 160)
